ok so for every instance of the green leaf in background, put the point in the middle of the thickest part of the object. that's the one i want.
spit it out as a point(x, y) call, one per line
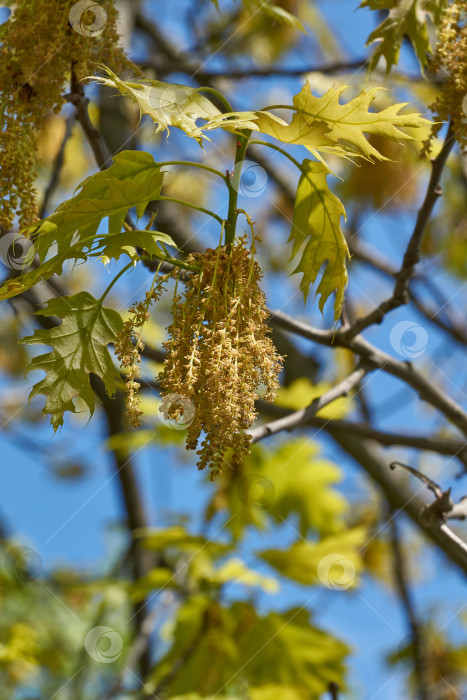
point(301, 392)
point(224, 647)
point(275, 12)
point(79, 347)
point(334, 561)
point(235, 570)
point(291, 479)
point(303, 484)
point(406, 18)
point(177, 537)
point(316, 222)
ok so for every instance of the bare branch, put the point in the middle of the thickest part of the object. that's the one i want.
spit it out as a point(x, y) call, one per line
point(405, 595)
point(443, 446)
point(403, 370)
point(452, 326)
point(56, 170)
point(97, 143)
point(299, 418)
point(400, 497)
point(412, 254)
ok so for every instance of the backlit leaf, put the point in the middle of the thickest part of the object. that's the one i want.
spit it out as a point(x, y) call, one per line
point(334, 561)
point(166, 104)
point(235, 644)
point(316, 223)
point(133, 180)
point(348, 123)
point(79, 347)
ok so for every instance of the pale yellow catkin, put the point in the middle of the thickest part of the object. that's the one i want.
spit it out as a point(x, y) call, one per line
point(219, 352)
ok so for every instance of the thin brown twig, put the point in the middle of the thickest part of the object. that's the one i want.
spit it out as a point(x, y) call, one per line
point(299, 418)
point(400, 293)
point(403, 587)
point(444, 446)
point(402, 370)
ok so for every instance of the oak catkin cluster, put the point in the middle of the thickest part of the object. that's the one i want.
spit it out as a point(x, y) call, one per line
point(450, 61)
point(219, 353)
point(130, 345)
point(40, 51)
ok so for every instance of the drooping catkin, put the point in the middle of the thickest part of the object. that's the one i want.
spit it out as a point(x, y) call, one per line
point(130, 345)
point(450, 62)
point(41, 46)
point(219, 352)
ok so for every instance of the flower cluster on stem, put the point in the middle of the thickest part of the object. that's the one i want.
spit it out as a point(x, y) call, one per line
point(219, 352)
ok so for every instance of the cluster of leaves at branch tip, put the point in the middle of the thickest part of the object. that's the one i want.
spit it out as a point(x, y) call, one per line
point(322, 124)
point(224, 406)
point(219, 352)
point(37, 34)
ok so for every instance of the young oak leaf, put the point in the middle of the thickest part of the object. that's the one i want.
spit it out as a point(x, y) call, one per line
point(133, 180)
point(166, 104)
point(348, 123)
point(79, 347)
point(113, 245)
point(316, 222)
point(302, 130)
point(180, 106)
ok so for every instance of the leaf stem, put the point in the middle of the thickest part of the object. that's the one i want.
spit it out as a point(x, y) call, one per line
point(234, 184)
point(115, 279)
point(219, 96)
point(192, 206)
point(195, 165)
point(258, 142)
